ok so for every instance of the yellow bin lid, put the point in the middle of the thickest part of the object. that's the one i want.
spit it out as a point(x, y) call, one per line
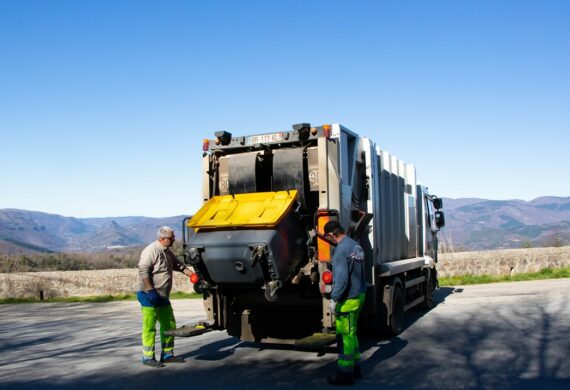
point(258, 209)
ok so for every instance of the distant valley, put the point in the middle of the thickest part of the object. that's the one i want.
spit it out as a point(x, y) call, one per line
point(477, 224)
point(24, 231)
point(471, 224)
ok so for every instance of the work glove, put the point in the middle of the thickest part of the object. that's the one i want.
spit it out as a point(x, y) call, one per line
point(332, 306)
point(153, 297)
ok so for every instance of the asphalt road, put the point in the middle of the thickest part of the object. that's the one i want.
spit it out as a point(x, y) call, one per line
point(496, 336)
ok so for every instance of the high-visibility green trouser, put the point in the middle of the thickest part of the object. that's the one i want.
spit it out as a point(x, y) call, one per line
point(165, 317)
point(347, 341)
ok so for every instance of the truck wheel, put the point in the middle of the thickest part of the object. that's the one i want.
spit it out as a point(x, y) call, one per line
point(397, 317)
point(430, 291)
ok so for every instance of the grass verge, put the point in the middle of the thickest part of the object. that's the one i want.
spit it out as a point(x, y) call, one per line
point(547, 273)
point(100, 298)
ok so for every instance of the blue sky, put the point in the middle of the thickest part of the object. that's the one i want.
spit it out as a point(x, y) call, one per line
point(104, 104)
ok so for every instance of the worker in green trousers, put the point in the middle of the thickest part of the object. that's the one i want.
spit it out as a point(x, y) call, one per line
point(156, 264)
point(347, 298)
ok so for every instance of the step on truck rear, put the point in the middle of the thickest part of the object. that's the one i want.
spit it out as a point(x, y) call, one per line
point(256, 245)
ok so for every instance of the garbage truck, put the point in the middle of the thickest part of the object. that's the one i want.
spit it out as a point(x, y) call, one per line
point(257, 247)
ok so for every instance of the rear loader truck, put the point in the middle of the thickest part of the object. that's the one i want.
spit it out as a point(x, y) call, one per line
point(257, 247)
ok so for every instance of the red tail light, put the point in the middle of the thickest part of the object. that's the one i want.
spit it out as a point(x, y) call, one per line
point(327, 277)
point(205, 144)
point(194, 278)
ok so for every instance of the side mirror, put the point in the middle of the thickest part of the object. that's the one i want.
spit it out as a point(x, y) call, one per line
point(439, 219)
point(438, 203)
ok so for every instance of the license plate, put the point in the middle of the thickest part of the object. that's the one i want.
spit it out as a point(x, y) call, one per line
point(265, 138)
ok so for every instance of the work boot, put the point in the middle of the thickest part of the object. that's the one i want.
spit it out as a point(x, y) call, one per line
point(152, 363)
point(172, 359)
point(341, 379)
point(357, 372)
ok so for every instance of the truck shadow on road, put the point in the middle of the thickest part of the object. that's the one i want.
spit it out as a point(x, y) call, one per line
point(389, 346)
point(222, 349)
point(414, 315)
point(439, 298)
point(217, 350)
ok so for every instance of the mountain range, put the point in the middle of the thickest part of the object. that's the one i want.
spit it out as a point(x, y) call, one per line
point(476, 224)
point(24, 231)
point(471, 224)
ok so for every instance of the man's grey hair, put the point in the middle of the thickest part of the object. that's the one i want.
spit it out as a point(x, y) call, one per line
point(165, 231)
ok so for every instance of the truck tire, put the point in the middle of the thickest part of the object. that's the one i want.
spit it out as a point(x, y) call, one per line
point(397, 318)
point(430, 291)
